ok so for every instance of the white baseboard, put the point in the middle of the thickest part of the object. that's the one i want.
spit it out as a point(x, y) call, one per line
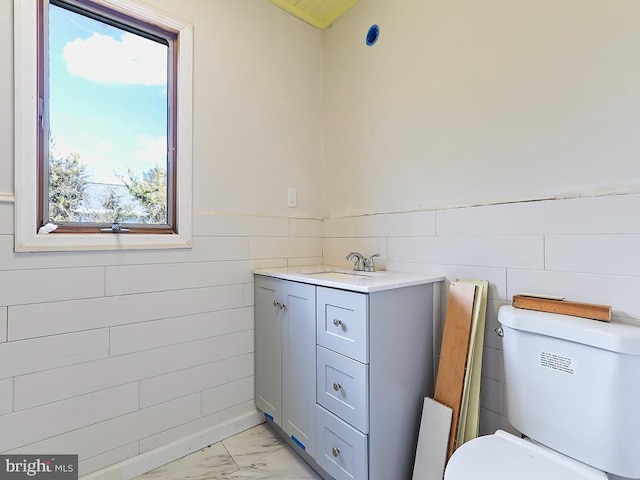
point(157, 457)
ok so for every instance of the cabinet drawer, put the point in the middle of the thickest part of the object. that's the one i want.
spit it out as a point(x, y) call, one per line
point(342, 450)
point(342, 320)
point(342, 387)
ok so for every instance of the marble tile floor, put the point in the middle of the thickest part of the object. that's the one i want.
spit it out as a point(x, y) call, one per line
point(257, 453)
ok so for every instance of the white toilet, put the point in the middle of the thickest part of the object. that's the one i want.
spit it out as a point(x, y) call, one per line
point(573, 389)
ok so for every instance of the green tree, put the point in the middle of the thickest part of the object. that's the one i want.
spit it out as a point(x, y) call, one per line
point(115, 210)
point(150, 192)
point(68, 179)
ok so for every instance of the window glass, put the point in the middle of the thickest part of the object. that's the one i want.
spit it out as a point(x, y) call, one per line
point(108, 122)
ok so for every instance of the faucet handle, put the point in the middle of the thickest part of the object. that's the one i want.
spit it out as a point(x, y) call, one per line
point(368, 263)
point(359, 260)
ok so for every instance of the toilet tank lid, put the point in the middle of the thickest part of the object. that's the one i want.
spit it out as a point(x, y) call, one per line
point(613, 336)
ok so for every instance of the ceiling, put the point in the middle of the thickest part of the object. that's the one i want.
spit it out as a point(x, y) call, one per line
point(319, 13)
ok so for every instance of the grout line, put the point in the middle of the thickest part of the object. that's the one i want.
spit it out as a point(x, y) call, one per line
point(386, 246)
point(506, 284)
point(229, 453)
point(435, 223)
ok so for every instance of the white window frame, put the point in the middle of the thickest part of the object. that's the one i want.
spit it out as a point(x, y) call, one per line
point(27, 239)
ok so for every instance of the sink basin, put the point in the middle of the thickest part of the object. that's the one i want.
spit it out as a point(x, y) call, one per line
point(338, 274)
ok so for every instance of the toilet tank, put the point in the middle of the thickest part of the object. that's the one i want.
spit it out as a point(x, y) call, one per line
point(573, 384)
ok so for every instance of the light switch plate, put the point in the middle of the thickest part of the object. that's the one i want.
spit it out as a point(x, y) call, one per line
point(292, 194)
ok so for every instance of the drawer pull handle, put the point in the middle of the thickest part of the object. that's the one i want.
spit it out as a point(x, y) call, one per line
point(336, 386)
point(335, 451)
point(279, 305)
point(337, 322)
point(275, 304)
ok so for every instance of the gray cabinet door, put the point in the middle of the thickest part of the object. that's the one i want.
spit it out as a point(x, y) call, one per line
point(285, 355)
point(268, 348)
point(299, 363)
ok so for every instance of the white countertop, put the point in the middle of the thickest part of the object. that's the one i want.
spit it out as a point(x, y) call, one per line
point(338, 277)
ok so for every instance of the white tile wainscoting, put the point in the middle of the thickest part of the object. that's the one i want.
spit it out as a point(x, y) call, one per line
point(585, 249)
point(124, 355)
point(127, 355)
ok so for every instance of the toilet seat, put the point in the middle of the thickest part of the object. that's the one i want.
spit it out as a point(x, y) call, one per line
point(503, 456)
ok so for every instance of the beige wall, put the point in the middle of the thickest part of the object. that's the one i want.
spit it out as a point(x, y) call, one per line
point(464, 103)
point(257, 106)
point(459, 103)
point(257, 91)
point(6, 97)
point(113, 354)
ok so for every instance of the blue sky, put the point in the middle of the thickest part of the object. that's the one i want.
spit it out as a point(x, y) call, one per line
point(108, 95)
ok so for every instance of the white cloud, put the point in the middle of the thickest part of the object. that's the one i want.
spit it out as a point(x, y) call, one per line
point(130, 60)
point(151, 150)
point(104, 146)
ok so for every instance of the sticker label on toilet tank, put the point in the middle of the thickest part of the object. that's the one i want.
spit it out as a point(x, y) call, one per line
point(558, 362)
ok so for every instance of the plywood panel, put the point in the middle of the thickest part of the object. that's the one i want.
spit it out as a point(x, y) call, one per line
point(454, 353)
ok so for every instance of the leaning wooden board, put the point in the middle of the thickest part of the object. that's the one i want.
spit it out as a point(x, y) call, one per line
point(454, 353)
point(564, 307)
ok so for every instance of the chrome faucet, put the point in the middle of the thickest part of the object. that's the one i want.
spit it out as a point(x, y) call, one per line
point(359, 262)
point(368, 263)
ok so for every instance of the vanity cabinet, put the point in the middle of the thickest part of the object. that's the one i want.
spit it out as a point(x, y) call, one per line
point(342, 374)
point(350, 383)
point(285, 386)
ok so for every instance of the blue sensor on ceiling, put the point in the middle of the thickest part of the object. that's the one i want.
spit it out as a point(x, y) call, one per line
point(372, 35)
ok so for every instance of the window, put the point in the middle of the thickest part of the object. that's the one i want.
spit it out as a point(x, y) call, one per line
point(103, 125)
point(107, 116)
